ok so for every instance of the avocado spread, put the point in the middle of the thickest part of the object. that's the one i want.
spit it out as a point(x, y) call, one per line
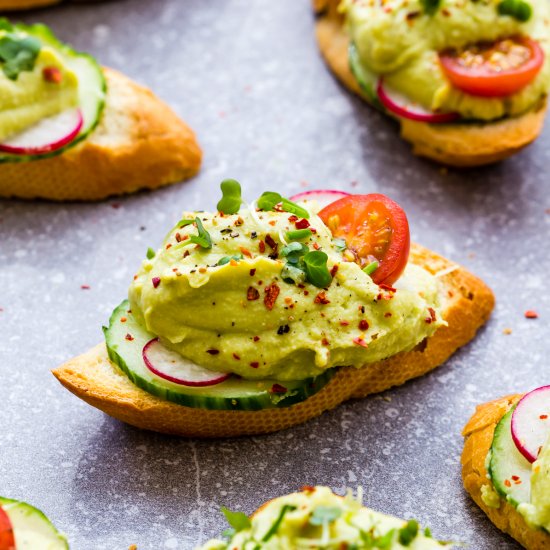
point(401, 41)
point(537, 512)
point(224, 292)
point(35, 81)
point(317, 518)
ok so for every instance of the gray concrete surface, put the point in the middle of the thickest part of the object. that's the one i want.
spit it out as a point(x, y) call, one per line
point(247, 76)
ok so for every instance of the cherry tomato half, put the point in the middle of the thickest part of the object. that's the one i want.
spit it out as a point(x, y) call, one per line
point(374, 228)
point(7, 538)
point(494, 70)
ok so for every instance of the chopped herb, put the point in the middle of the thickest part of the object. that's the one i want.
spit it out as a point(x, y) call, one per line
point(5, 25)
point(203, 238)
point(269, 200)
point(371, 268)
point(430, 6)
point(18, 54)
point(325, 514)
point(408, 533)
point(428, 532)
point(339, 244)
point(518, 9)
point(294, 251)
point(316, 269)
point(238, 520)
point(276, 524)
point(293, 274)
point(227, 259)
point(231, 200)
point(183, 223)
point(150, 253)
point(298, 234)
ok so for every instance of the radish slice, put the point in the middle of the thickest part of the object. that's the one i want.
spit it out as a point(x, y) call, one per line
point(173, 367)
point(48, 135)
point(531, 423)
point(323, 197)
point(402, 106)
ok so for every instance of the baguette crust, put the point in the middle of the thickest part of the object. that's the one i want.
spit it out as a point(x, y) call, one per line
point(457, 144)
point(25, 4)
point(479, 433)
point(139, 143)
point(468, 304)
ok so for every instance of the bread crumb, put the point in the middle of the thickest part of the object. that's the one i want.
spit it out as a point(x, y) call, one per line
point(507, 331)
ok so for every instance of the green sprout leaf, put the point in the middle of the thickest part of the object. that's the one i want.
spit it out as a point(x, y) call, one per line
point(325, 514)
point(518, 9)
point(226, 259)
point(371, 268)
point(238, 520)
point(18, 54)
point(269, 200)
point(293, 274)
point(316, 269)
point(293, 252)
point(430, 6)
point(408, 533)
point(276, 524)
point(231, 200)
point(5, 25)
point(150, 253)
point(203, 238)
point(183, 223)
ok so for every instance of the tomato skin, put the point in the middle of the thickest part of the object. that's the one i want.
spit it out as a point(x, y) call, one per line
point(7, 537)
point(360, 220)
point(484, 82)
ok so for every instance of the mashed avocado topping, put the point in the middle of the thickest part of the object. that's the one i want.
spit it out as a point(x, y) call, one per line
point(35, 81)
point(317, 518)
point(537, 512)
point(401, 41)
point(254, 293)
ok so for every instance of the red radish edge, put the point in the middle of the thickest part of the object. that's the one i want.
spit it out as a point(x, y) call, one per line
point(49, 147)
point(7, 536)
point(523, 408)
point(222, 375)
point(404, 112)
point(331, 195)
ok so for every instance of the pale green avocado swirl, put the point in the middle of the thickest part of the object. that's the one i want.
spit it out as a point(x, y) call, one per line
point(400, 40)
point(226, 303)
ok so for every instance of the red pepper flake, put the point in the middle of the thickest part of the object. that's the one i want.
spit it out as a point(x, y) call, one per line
point(387, 287)
point(261, 246)
point(245, 251)
point(344, 323)
point(543, 416)
point(123, 319)
point(85, 287)
point(178, 238)
point(269, 240)
point(307, 489)
point(186, 253)
point(202, 270)
point(252, 294)
point(388, 314)
point(360, 342)
point(518, 482)
point(507, 483)
point(277, 388)
point(253, 272)
point(531, 314)
point(254, 364)
point(292, 218)
point(325, 342)
point(363, 324)
point(239, 221)
point(515, 478)
point(306, 292)
point(321, 298)
point(316, 246)
point(273, 222)
point(235, 356)
point(213, 351)
point(129, 337)
point(169, 245)
point(233, 262)
point(155, 281)
point(52, 75)
point(256, 338)
point(271, 293)
point(334, 270)
point(432, 313)
point(302, 224)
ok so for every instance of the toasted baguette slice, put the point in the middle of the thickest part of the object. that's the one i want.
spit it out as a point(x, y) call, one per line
point(455, 144)
point(468, 304)
point(479, 433)
point(139, 143)
point(25, 4)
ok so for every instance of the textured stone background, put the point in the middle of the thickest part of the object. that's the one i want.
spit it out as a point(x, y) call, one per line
point(247, 76)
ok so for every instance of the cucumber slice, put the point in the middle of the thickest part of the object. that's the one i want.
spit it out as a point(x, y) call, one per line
point(509, 470)
point(92, 88)
point(367, 81)
point(33, 530)
point(125, 340)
